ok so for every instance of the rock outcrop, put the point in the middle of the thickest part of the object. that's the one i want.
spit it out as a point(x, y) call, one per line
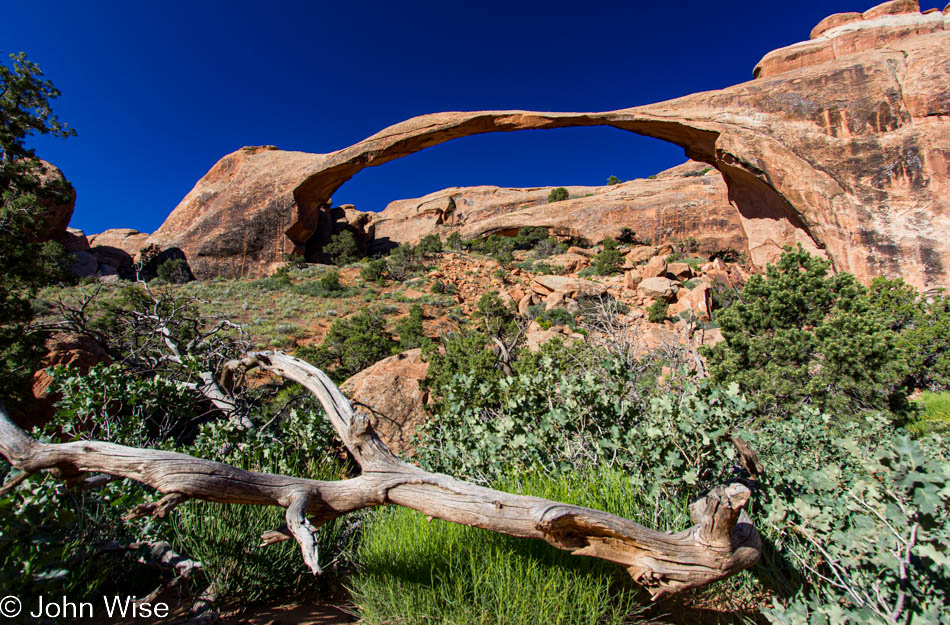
point(56, 197)
point(841, 144)
point(687, 200)
point(389, 393)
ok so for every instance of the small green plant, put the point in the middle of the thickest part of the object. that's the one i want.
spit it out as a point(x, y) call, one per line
point(175, 271)
point(374, 271)
point(609, 260)
point(558, 194)
point(409, 329)
point(658, 311)
point(612, 180)
point(429, 246)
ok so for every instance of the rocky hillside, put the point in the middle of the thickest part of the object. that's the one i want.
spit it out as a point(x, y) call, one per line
point(839, 143)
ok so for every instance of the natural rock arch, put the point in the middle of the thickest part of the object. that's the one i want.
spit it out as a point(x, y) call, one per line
point(841, 144)
point(750, 189)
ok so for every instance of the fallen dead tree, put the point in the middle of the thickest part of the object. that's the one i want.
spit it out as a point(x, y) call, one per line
point(721, 542)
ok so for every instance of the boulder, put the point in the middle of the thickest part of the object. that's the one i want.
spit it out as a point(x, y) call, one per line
point(640, 254)
point(654, 268)
point(582, 251)
point(126, 240)
point(574, 288)
point(680, 271)
point(571, 263)
point(524, 303)
point(389, 393)
point(631, 278)
point(56, 197)
point(83, 264)
point(74, 240)
point(656, 287)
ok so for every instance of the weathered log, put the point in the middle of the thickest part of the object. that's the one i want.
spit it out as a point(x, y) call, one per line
point(721, 542)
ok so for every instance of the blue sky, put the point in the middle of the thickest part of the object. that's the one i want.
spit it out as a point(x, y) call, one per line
point(159, 91)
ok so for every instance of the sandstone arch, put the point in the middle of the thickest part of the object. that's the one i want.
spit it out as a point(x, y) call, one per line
point(842, 143)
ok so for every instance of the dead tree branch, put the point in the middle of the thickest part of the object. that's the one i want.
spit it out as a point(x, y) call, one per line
point(721, 543)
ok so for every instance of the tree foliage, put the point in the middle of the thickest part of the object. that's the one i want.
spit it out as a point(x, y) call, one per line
point(351, 345)
point(25, 110)
point(800, 336)
point(342, 248)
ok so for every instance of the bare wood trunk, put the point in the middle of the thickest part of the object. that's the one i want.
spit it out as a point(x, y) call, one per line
point(721, 542)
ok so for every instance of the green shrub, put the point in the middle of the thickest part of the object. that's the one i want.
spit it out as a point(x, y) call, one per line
point(175, 271)
point(430, 245)
point(402, 262)
point(374, 271)
point(498, 247)
point(530, 237)
point(342, 248)
point(556, 317)
point(558, 194)
point(871, 533)
point(923, 328)
point(658, 311)
point(799, 336)
point(351, 345)
point(327, 285)
point(330, 281)
point(609, 260)
point(454, 242)
point(409, 329)
point(612, 180)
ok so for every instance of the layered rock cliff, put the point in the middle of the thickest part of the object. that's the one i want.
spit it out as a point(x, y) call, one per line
point(841, 143)
point(688, 200)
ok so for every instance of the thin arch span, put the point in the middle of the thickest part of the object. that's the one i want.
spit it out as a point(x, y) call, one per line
point(750, 188)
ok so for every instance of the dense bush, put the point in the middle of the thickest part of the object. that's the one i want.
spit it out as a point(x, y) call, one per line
point(174, 271)
point(799, 336)
point(658, 312)
point(342, 248)
point(923, 328)
point(612, 180)
point(429, 246)
point(374, 271)
point(558, 194)
point(409, 329)
point(609, 260)
point(351, 345)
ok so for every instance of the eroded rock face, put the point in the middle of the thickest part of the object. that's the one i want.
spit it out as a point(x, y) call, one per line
point(688, 200)
point(57, 198)
point(234, 222)
point(841, 144)
point(389, 393)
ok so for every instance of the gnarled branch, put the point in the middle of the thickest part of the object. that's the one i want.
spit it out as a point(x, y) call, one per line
point(722, 542)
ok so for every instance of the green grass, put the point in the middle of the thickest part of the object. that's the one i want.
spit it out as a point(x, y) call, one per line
point(936, 413)
point(226, 539)
point(414, 571)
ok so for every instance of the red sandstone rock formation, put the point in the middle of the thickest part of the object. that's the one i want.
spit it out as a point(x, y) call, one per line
point(841, 143)
point(389, 392)
point(56, 197)
point(688, 200)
